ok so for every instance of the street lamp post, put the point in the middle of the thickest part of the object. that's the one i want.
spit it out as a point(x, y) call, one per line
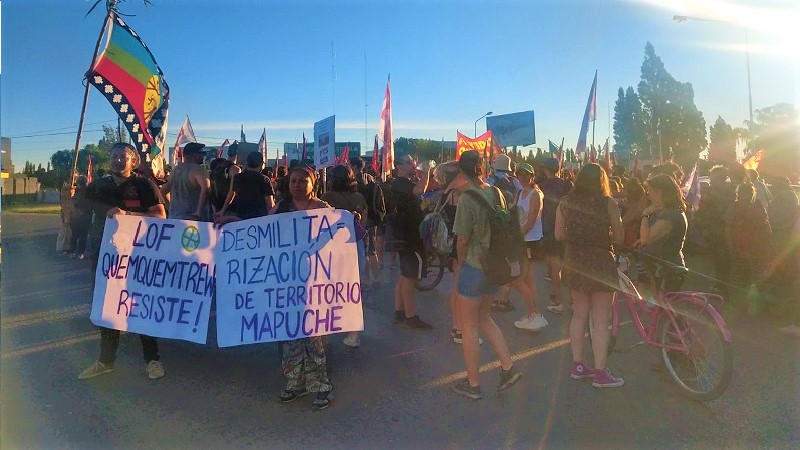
point(681, 19)
point(476, 123)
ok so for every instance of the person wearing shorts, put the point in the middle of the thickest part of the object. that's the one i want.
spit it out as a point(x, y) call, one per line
point(474, 292)
point(405, 197)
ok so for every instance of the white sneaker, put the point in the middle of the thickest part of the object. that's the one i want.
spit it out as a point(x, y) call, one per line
point(557, 309)
point(352, 341)
point(531, 322)
point(793, 330)
point(155, 370)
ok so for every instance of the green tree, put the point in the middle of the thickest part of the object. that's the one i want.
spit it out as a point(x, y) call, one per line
point(722, 148)
point(672, 124)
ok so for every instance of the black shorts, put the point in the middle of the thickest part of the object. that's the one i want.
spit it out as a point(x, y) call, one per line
point(412, 264)
point(552, 247)
point(534, 249)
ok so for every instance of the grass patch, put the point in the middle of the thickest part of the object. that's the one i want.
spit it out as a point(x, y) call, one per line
point(37, 208)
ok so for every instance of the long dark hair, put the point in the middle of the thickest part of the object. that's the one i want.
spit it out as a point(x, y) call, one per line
point(343, 179)
point(592, 180)
point(671, 194)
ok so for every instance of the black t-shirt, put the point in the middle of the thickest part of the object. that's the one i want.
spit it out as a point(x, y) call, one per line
point(554, 189)
point(251, 189)
point(135, 194)
point(409, 211)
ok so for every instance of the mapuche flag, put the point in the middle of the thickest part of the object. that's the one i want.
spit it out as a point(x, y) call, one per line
point(127, 74)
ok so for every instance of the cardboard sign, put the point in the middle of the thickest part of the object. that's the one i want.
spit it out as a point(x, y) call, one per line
point(155, 277)
point(287, 276)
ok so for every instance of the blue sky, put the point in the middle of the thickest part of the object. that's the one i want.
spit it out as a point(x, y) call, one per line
point(269, 63)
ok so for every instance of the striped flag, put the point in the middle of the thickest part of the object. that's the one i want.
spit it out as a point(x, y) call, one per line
point(385, 133)
point(590, 115)
point(690, 187)
point(185, 136)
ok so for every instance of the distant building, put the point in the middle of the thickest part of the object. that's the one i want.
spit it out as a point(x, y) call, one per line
point(5, 165)
point(14, 183)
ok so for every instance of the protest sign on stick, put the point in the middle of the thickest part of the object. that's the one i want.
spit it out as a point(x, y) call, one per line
point(155, 277)
point(287, 276)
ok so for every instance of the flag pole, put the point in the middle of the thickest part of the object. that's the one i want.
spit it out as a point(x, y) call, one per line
point(110, 8)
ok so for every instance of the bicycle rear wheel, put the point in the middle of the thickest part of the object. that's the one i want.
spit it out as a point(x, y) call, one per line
point(704, 368)
point(434, 271)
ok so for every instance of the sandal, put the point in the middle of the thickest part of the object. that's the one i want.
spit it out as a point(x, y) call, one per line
point(322, 400)
point(290, 396)
point(502, 306)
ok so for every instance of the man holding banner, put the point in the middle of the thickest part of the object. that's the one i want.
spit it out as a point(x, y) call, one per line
point(123, 193)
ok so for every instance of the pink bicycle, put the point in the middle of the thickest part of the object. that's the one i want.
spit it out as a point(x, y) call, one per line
point(689, 331)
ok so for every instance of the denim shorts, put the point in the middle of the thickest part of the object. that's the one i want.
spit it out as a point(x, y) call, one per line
point(472, 283)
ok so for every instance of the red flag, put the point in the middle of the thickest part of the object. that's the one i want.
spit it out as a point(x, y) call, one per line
point(185, 135)
point(346, 154)
point(753, 160)
point(222, 148)
point(607, 162)
point(89, 170)
point(304, 146)
point(375, 151)
point(277, 158)
point(385, 133)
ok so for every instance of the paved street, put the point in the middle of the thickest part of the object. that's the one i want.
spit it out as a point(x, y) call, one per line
point(393, 392)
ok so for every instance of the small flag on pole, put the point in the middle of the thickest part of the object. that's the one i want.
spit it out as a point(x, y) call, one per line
point(222, 149)
point(385, 133)
point(185, 136)
point(304, 147)
point(262, 145)
point(375, 154)
point(89, 170)
point(241, 134)
point(588, 116)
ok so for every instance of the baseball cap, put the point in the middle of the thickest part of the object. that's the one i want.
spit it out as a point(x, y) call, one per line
point(525, 167)
point(194, 147)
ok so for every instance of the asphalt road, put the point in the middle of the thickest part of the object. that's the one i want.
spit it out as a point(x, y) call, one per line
point(393, 392)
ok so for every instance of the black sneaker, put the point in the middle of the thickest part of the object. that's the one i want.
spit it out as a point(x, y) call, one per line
point(463, 388)
point(399, 316)
point(322, 400)
point(508, 378)
point(415, 323)
point(290, 396)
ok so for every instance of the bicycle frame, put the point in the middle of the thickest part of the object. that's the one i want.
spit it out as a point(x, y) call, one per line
point(663, 310)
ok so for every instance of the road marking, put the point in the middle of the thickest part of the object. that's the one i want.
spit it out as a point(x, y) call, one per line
point(52, 315)
point(531, 352)
point(49, 345)
point(496, 363)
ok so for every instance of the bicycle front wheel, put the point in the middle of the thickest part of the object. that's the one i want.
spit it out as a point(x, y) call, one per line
point(704, 365)
point(434, 271)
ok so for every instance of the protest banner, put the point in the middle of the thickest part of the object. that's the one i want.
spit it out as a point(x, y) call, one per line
point(287, 276)
point(324, 142)
point(513, 129)
point(480, 143)
point(155, 277)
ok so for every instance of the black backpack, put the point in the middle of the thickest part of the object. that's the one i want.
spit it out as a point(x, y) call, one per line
point(503, 260)
point(506, 186)
point(221, 181)
point(376, 203)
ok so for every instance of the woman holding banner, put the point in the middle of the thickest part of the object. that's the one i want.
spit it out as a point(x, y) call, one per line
point(303, 360)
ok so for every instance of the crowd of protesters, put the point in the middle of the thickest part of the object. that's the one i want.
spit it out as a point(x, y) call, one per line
point(576, 224)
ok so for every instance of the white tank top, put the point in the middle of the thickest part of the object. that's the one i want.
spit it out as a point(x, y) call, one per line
point(524, 205)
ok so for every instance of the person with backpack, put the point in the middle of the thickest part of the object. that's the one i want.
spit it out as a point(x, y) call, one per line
point(376, 212)
point(222, 173)
point(479, 216)
point(510, 187)
point(589, 221)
